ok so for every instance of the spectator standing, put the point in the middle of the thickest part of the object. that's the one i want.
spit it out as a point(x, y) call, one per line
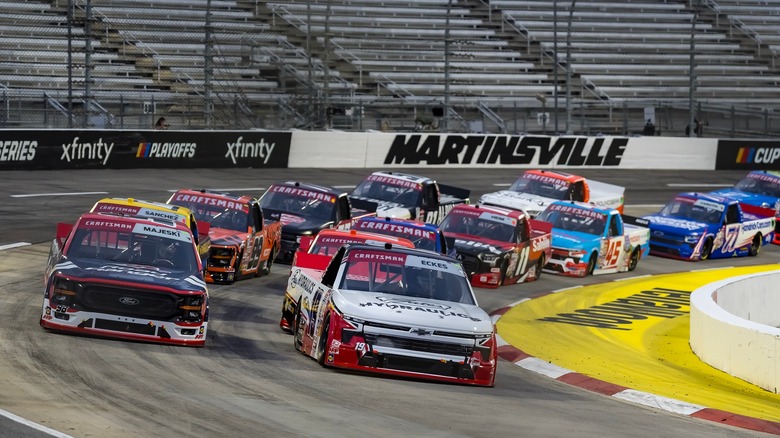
point(649, 128)
point(161, 124)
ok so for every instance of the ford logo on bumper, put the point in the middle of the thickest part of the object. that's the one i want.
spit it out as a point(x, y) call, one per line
point(129, 301)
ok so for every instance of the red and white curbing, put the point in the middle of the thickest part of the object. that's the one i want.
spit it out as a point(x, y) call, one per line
point(520, 358)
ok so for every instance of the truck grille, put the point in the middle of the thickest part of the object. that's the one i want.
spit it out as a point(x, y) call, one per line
point(421, 345)
point(136, 303)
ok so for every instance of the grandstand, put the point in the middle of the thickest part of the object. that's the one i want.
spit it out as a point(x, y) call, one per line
point(455, 65)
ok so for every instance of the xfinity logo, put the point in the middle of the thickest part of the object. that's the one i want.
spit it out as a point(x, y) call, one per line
point(239, 149)
point(505, 149)
point(86, 151)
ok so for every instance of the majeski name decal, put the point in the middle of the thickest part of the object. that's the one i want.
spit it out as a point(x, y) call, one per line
point(506, 149)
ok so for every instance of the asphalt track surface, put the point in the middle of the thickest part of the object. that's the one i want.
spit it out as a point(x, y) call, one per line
point(249, 381)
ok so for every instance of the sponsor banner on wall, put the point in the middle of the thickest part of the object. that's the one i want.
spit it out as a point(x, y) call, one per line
point(748, 155)
point(96, 149)
point(378, 150)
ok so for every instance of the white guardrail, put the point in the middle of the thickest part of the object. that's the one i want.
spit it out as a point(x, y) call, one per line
point(734, 327)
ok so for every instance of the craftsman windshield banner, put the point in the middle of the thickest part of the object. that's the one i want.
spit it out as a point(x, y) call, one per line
point(97, 149)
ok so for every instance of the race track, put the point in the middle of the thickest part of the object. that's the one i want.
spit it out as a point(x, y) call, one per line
point(248, 380)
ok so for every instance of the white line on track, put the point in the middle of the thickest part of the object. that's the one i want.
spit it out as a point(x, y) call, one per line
point(35, 426)
point(32, 195)
point(14, 245)
point(698, 185)
point(344, 187)
point(502, 184)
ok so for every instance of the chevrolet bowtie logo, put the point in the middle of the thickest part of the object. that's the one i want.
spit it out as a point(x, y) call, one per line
point(421, 332)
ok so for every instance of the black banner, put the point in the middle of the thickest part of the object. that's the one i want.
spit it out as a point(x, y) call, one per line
point(97, 149)
point(748, 155)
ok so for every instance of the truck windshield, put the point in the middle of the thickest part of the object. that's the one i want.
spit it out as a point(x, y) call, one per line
point(303, 203)
point(545, 187)
point(698, 210)
point(406, 275)
point(759, 186)
point(478, 227)
point(387, 189)
point(574, 219)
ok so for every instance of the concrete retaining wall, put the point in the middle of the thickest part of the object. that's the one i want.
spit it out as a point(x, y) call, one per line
point(734, 327)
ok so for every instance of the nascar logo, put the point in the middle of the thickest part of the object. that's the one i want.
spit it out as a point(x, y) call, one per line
point(757, 155)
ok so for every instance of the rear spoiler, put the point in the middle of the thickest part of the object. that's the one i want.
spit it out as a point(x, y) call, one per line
point(638, 221)
point(362, 204)
point(455, 192)
point(757, 211)
point(540, 227)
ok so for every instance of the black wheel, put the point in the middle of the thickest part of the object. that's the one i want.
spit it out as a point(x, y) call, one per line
point(634, 261)
point(591, 264)
point(539, 267)
point(266, 269)
point(755, 246)
point(322, 346)
point(298, 329)
point(504, 272)
point(706, 251)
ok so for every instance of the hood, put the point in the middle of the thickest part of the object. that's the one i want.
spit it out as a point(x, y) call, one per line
point(225, 237)
point(389, 209)
point(140, 274)
point(415, 312)
point(747, 198)
point(531, 204)
point(675, 225)
point(573, 239)
point(295, 223)
point(469, 245)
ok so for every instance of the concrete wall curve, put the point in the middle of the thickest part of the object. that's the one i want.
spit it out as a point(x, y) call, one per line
point(734, 327)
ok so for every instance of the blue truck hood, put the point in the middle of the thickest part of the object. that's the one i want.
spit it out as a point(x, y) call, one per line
point(573, 239)
point(675, 225)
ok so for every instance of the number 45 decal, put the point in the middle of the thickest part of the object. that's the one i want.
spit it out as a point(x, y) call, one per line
point(612, 256)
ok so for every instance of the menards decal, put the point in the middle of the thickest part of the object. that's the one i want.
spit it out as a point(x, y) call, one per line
point(506, 149)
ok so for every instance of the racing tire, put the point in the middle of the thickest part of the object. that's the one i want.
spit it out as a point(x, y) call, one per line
point(504, 272)
point(591, 264)
point(297, 329)
point(706, 250)
point(755, 246)
point(324, 341)
point(539, 267)
point(634, 260)
point(266, 269)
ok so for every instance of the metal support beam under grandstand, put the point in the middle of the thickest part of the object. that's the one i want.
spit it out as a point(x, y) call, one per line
point(568, 68)
point(208, 67)
point(444, 124)
point(555, 63)
point(692, 128)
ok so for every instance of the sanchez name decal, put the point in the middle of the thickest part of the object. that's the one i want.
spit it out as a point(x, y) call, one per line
point(505, 149)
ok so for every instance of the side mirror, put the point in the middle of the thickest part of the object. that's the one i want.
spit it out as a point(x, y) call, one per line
point(63, 230)
point(305, 243)
point(203, 228)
